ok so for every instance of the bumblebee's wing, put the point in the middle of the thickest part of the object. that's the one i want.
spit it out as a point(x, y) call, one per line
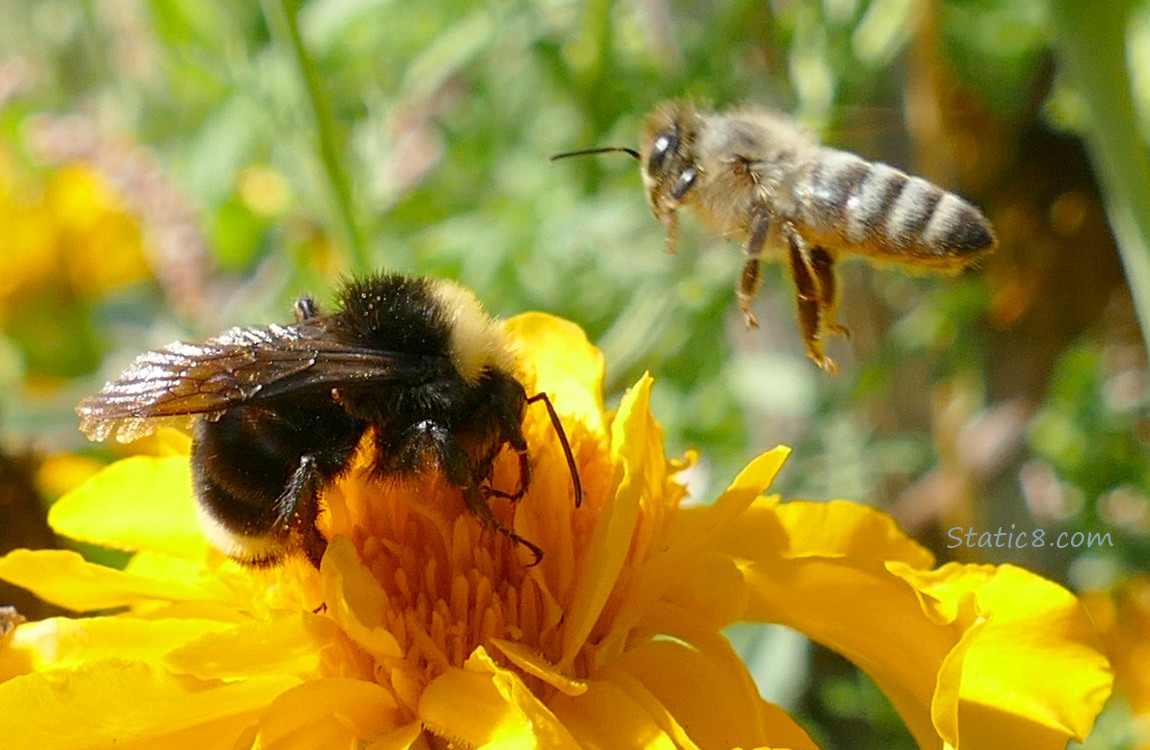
point(181, 382)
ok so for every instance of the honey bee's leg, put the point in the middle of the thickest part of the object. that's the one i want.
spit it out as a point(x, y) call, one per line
point(808, 298)
point(752, 267)
point(670, 221)
point(670, 206)
point(823, 266)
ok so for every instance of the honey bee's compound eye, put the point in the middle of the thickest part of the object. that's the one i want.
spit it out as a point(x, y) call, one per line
point(663, 145)
point(684, 184)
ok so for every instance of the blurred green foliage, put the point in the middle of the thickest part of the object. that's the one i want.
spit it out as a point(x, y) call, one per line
point(415, 137)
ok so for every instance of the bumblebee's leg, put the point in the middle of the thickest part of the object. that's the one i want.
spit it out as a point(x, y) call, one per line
point(479, 506)
point(513, 434)
point(823, 266)
point(260, 530)
point(524, 480)
point(752, 268)
point(807, 297)
point(457, 471)
point(668, 212)
point(298, 507)
point(510, 427)
point(305, 309)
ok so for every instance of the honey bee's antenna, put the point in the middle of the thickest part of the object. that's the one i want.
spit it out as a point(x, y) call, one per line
point(601, 150)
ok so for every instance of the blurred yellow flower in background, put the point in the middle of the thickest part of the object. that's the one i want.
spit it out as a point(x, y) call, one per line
point(68, 241)
point(69, 233)
point(1122, 615)
point(423, 628)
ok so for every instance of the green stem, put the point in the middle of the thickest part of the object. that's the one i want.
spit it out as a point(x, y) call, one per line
point(281, 19)
point(1090, 38)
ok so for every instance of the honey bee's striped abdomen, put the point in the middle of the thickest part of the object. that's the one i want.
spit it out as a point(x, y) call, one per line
point(845, 202)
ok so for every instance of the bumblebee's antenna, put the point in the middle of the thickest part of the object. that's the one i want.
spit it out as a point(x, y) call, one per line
point(601, 150)
point(578, 484)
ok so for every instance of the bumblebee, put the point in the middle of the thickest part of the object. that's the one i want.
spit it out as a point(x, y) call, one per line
point(279, 412)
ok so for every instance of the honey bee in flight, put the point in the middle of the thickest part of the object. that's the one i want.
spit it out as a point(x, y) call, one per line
point(751, 174)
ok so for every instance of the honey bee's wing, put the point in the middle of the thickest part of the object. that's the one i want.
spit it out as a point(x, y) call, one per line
point(177, 384)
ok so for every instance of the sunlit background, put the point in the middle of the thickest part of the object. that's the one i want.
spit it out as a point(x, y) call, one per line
point(172, 168)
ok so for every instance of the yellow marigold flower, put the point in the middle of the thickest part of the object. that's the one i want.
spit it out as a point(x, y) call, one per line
point(434, 633)
point(69, 233)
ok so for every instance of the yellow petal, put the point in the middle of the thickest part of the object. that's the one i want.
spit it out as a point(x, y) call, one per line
point(848, 578)
point(853, 605)
point(295, 644)
point(699, 524)
point(684, 570)
point(836, 529)
point(62, 472)
point(1028, 646)
point(166, 441)
point(62, 642)
point(402, 738)
point(484, 705)
point(565, 364)
point(117, 704)
point(139, 503)
point(607, 717)
point(66, 579)
point(786, 734)
point(355, 599)
point(13, 661)
point(331, 712)
point(163, 567)
point(611, 540)
point(712, 586)
point(535, 665)
point(697, 677)
point(716, 706)
point(234, 589)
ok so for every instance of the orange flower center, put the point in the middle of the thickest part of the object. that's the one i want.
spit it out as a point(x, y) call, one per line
point(449, 582)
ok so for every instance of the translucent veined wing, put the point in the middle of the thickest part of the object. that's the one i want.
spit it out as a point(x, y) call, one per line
point(182, 382)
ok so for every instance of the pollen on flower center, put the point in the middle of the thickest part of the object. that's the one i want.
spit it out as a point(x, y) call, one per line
point(449, 584)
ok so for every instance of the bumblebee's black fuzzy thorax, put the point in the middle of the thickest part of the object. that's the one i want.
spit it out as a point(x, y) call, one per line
point(391, 312)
